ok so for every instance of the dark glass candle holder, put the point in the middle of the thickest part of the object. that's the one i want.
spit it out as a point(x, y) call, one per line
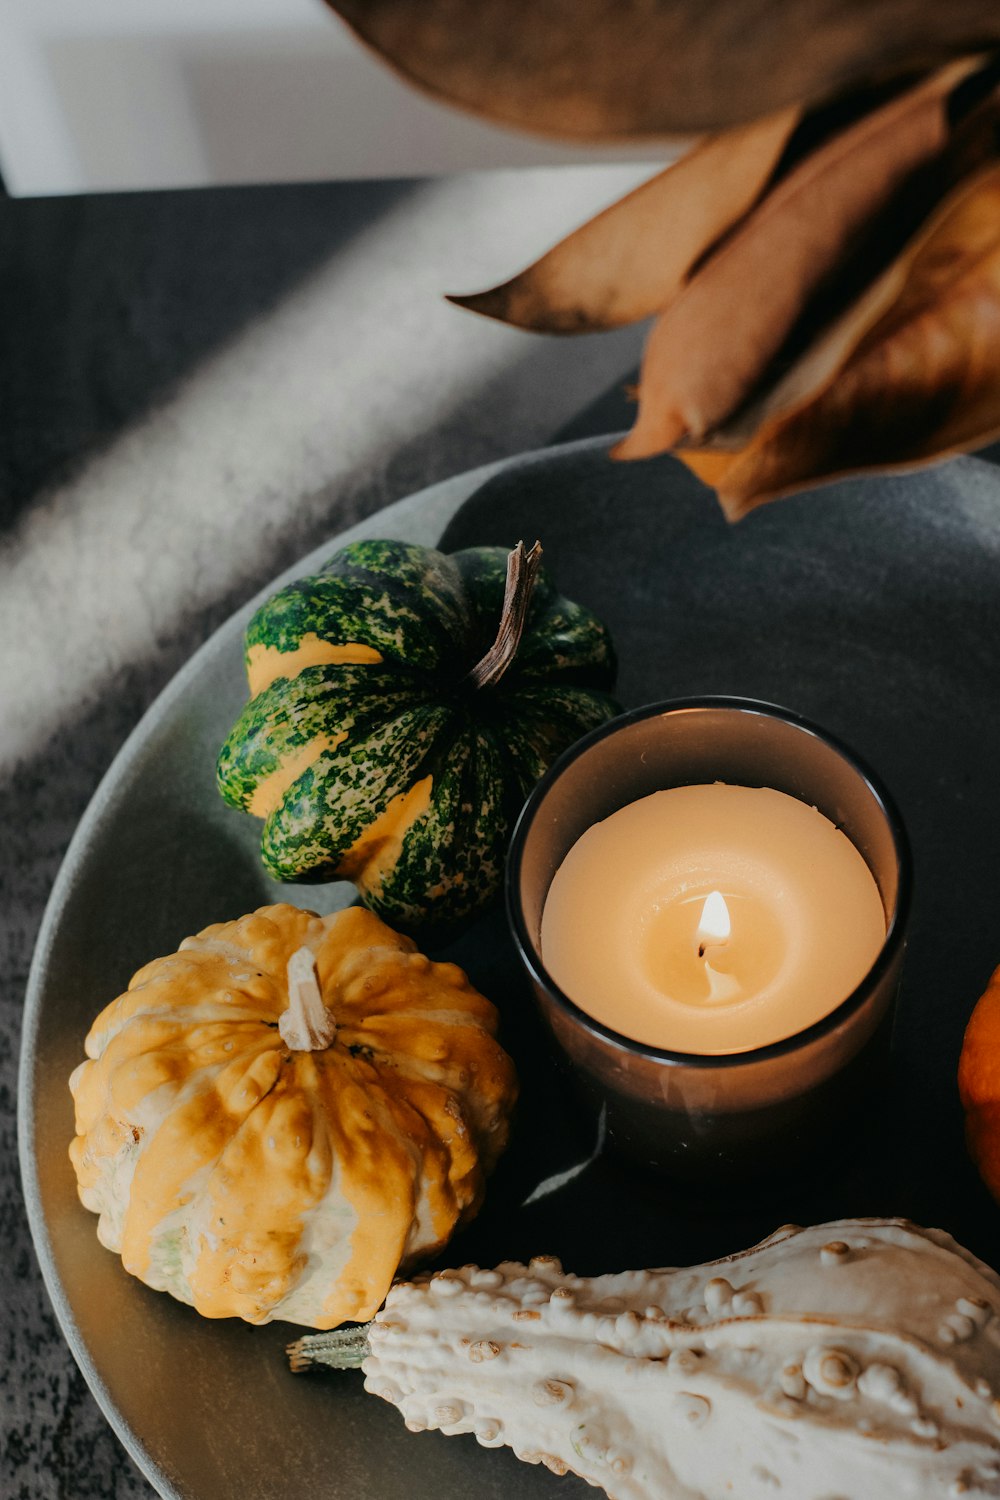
point(722, 1116)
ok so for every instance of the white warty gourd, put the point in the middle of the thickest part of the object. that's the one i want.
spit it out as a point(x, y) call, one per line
point(854, 1360)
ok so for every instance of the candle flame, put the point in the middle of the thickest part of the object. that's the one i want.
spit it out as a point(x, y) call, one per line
point(715, 925)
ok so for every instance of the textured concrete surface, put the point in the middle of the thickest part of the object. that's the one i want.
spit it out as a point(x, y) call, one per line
point(196, 388)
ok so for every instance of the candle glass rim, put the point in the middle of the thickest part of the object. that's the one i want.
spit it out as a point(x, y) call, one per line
point(530, 953)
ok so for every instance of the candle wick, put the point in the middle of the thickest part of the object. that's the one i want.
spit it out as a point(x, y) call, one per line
point(701, 950)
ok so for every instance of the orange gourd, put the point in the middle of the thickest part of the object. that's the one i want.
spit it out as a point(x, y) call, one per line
point(979, 1085)
point(274, 1119)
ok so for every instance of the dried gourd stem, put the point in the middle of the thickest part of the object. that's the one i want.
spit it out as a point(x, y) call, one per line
point(522, 571)
point(307, 1025)
point(341, 1349)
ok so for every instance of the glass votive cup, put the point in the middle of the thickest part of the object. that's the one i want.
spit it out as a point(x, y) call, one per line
point(721, 1116)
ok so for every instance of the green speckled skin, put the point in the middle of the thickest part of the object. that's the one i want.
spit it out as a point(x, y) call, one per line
point(410, 717)
point(407, 602)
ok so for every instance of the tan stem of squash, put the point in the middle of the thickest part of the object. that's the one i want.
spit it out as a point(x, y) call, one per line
point(522, 570)
point(340, 1349)
point(307, 1025)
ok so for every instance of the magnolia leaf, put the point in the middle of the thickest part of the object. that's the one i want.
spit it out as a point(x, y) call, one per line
point(715, 342)
point(922, 380)
point(624, 69)
point(974, 145)
point(631, 260)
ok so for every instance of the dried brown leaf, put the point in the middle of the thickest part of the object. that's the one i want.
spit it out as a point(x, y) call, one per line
point(631, 260)
point(921, 381)
point(714, 343)
point(974, 146)
point(621, 69)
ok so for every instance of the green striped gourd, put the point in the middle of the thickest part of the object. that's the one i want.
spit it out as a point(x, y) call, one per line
point(403, 704)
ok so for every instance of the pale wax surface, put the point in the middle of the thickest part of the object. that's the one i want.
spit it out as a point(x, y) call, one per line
point(808, 920)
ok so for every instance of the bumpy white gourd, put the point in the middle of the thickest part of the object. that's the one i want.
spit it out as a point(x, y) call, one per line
point(850, 1361)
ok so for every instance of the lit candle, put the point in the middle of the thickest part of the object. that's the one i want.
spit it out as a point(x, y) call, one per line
point(712, 919)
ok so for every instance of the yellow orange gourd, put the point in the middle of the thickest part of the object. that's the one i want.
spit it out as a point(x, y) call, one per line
point(261, 1163)
point(979, 1085)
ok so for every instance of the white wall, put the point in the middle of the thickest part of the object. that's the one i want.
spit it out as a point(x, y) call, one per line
point(113, 94)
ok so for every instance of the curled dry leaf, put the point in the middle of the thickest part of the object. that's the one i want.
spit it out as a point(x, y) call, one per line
point(842, 322)
point(820, 311)
point(614, 69)
point(914, 375)
point(717, 339)
point(973, 147)
point(632, 259)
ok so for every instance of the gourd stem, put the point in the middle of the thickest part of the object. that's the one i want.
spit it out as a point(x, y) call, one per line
point(341, 1349)
point(307, 1025)
point(522, 571)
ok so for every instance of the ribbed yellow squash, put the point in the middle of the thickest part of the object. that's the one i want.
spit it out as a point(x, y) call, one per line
point(258, 1179)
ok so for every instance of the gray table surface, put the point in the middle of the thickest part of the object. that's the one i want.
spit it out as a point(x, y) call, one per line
point(198, 388)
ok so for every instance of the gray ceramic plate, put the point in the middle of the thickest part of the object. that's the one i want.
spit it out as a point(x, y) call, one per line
point(873, 608)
